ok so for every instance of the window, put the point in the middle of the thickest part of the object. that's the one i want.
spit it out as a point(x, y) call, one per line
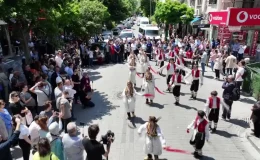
point(141, 30)
point(151, 32)
point(144, 22)
point(248, 4)
point(126, 35)
point(212, 1)
point(199, 2)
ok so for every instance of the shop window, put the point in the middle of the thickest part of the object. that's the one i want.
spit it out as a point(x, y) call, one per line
point(212, 1)
point(248, 3)
point(199, 2)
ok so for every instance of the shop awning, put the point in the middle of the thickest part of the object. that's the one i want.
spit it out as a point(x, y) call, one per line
point(196, 19)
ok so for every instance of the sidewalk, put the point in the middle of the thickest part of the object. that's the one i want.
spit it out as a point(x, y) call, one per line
point(254, 141)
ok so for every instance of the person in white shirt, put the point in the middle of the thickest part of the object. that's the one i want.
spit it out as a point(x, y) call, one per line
point(90, 56)
point(241, 52)
point(58, 58)
point(241, 70)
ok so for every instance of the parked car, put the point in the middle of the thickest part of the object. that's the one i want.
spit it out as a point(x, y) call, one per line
point(100, 57)
point(126, 33)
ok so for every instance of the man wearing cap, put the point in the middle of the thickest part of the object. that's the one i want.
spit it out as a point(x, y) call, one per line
point(64, 107)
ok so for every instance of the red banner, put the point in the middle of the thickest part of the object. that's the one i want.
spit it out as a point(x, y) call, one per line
point(244, 17)
point(218, 18)
point(254, 45)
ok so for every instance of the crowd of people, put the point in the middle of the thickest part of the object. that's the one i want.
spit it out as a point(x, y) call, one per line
point(38, 103)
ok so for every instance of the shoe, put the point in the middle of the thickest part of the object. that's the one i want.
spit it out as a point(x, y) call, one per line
point(228, 119)
point(151, 101)
point(191, 97)
point(133, 115)
point(147, 158)
point(147, 101)
point(195, 98)
point(222, 118)
point(214, 129)
point(177, 103)
point(210, 128)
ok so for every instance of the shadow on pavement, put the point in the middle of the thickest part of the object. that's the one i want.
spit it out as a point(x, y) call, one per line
point(201, 100)
point(187, 107)
point(240, 122)
point(225, 134)
point(136, 120)
point(210, 77)
point(16, 153)
point(102, 107)
point(157, 105)
point(247, 100)
point(206, 158)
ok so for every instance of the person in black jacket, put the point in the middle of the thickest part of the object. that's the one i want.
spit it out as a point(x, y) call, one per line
point(5, 146)
point(54, 76)
point(228, 87)
point(255, 117)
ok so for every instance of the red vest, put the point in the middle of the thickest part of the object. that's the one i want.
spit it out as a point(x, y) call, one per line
point(171, 54)
point(176, 50)
point(169, 65)
point(201, 127)
point(197, 73)
point(178, 61)
point(211, 102)
point(158, 51)
point(161, 56)
point(178, 78)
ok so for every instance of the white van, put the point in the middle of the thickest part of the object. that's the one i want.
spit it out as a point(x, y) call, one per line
point(143, 21)
point(149, 31)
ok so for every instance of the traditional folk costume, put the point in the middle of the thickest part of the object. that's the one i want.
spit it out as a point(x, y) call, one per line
point(130, 57)
point(176, 85)
point(201, 133)
point(181, 62)
point(171, 55)
point(144, 63)
point(170, 71)
point(132, 72)
point(160, 57)
point(149, 86)
point(129, 98)
point(154, 140)
point(196, 79)
point(212, 108)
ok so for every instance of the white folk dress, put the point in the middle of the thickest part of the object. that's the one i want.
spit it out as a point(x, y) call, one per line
point(144, 63)
point(153, 145)
point(149, 87)
point(132, 74)
point(129, 102)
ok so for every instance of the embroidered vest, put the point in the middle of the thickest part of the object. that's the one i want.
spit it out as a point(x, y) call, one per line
point(201, 127)
point(182, 60)
point(169, 66)
point(211, 102)
point(171, 54)
point(178, 78)
point(196, 74)
point(161, 56)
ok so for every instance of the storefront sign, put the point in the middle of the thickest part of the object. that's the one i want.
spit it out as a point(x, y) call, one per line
point(201, 26)
point(244, 16)
point(218, 18)
point(254, 45)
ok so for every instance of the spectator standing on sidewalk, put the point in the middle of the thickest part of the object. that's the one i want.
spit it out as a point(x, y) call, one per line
point(231, 62)
point(203, 62)
point(255, 117)
point(240, 72)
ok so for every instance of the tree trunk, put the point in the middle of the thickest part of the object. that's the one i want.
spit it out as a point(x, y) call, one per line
point(25, 38)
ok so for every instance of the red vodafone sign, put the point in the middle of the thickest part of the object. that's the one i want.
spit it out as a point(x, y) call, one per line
point(218, 18)
point(244, 17)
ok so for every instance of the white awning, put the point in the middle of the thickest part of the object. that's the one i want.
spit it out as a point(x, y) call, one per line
point(2, 22)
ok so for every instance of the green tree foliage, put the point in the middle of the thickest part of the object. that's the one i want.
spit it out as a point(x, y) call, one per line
point(171, 11)
point(146, 7)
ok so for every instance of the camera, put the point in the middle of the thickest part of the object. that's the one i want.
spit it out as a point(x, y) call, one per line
point(108, 138)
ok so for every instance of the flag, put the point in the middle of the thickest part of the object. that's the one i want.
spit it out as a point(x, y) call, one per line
point(157, 89)
point(152, 70)
point(169, 149)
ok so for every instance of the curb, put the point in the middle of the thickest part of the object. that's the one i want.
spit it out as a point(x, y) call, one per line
point(252, 139)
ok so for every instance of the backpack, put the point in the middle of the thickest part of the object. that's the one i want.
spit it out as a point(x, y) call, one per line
point(235, 94)
point(245, 73)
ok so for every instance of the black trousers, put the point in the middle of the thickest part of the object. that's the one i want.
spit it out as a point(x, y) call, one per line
point(182, 72)
point(168, 79)
point(214, 114)
point(227, 113)
point(198, 141)
point(149, 55)
point(257, 128)
point(176, 91)
point(162, 64)
point(65, 122)
point(217, 73)
point(240, 57)
point(239, 84)
point(229, 71)
point(194, 86)
point(26, 147)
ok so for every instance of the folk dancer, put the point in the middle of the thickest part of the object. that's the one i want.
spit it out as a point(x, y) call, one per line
point(176, 85)
point(171, 53)
point(160, 56)
point(201, 133)
point(149, 86)
point(181, 61)
point(131, 56)
point(129, 98)
point(154, 140)
point(132, 71)
point(171, 66)
point(212, 108)
point(144, 62)
point(197, 79)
